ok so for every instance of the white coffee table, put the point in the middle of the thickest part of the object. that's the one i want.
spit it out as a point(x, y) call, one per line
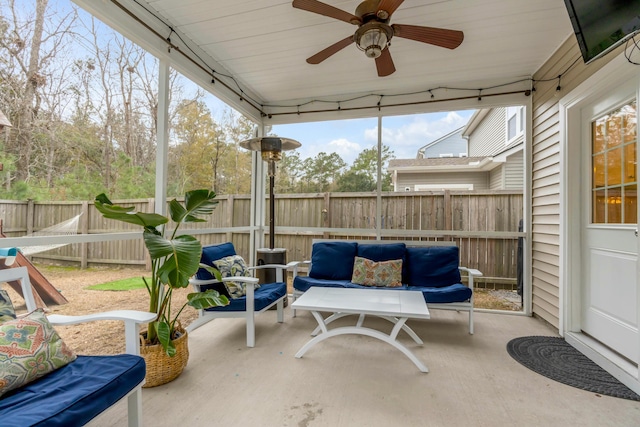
point(395, 306)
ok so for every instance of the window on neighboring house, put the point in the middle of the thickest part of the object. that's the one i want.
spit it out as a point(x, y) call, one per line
point(446, 155)
point(515, 122)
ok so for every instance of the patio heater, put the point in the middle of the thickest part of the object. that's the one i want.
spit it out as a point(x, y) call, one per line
point(271, 148)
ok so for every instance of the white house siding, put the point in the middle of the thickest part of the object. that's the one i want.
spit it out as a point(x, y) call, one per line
point(490, 135)
point(513, 172)
point(480, 181)
point(546, 169)
point(495, 178)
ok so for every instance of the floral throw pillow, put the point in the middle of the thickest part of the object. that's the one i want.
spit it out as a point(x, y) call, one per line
point(233, 266)
point(29, 349)
point(380, 274)
point(6, 308)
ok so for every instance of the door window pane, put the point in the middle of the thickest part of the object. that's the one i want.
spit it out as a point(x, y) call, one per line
point(630, 163)
point(614, 171)
point(630, 198)
point(599, 205)
point(614, 205)
point(614, 167)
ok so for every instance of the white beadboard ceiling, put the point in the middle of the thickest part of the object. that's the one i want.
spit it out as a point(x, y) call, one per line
point(263, 44)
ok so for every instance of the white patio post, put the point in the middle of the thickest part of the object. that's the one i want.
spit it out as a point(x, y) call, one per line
point(258, 192)
point(379, 180)
point(162, 144)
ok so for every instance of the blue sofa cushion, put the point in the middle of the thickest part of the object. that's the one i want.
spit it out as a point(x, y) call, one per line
point(453, 293)
point(263, 296)
point(433, 266)
point(332, 260)
point(303, 283)
point(380, 252)
point(73, 394)
point(210, 254)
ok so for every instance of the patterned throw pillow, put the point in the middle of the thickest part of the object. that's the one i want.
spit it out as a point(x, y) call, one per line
point(6, 308)
point(379, 274)
point(29, 349)
point(233, 266)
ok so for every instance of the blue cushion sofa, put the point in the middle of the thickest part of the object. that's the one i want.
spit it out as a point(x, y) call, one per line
point(430, 267)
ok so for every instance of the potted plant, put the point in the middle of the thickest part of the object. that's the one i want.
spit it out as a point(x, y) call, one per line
point(174, 259)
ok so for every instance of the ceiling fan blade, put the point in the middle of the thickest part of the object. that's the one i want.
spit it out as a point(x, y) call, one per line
point(450, 39)
point(326, 10)
point(384, 64)
point(389, 6)
point(334, 48)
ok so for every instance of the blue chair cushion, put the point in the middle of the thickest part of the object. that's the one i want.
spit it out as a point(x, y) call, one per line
point(210, 254)
point(73, 394)
point(433, 266)
point(263, 296)
point(332, 260)
point(452, 293)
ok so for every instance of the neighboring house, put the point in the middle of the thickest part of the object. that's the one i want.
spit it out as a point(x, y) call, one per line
point(451, 145)
point(495, 142)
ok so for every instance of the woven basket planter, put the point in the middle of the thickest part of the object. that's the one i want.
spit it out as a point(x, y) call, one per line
point(161, 368)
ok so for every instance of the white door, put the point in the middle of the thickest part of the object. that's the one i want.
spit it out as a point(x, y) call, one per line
point(610, 221)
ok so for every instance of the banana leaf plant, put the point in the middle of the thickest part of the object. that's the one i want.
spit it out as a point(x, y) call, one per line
point(174, 259)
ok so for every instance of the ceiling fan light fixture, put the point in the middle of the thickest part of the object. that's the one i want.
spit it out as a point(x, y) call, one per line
point(372, 38)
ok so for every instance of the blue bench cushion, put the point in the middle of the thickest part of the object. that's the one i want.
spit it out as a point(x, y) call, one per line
point(433, 266)
point(263, 296)
point(332, 260)
point(73, 394)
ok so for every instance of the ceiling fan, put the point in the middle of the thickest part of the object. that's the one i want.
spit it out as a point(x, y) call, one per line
point(374, 32)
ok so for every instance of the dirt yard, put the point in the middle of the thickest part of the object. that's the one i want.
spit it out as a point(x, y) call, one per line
point(103, 337)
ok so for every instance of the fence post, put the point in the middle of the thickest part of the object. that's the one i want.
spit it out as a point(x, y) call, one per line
point(84, 229)
point(326, 214)
point(230, 202)
point(30, 216)
point(448, 213)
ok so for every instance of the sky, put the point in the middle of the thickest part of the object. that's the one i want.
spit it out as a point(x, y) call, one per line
point(403, 134)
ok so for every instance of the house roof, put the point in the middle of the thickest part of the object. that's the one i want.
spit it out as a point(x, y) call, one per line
point(442, 164)
point(251, 54)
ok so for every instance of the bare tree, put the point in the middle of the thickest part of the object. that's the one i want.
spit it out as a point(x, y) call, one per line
point(29, 47)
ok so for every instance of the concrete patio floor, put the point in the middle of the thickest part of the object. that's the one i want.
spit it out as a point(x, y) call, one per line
point(361, 381)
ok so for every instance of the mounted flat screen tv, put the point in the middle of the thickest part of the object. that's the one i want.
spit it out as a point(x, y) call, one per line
point(602, 25)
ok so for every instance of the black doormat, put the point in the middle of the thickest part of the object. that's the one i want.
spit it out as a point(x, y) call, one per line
point(554, 358)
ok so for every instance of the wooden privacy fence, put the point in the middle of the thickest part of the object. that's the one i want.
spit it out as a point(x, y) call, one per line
point(483, 224)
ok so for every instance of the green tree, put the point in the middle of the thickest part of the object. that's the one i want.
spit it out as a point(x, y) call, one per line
point(290, 173)
point(321, 171)
point(355, 181)
point(199, 143)
point(366, 165)
point(235, 162)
